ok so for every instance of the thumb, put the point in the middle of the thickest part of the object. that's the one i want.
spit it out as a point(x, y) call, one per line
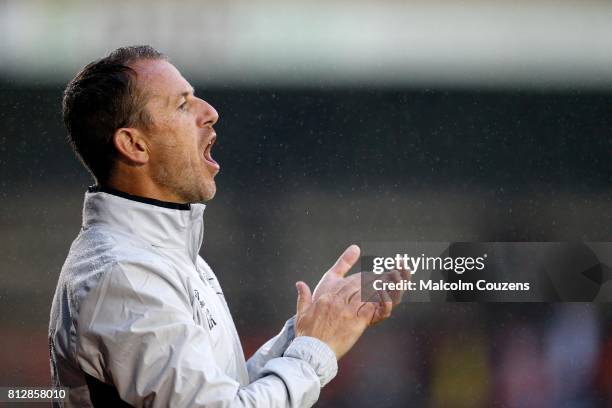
point(346, 261)
point(304, 297)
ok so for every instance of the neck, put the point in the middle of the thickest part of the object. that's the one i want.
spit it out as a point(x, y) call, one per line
point(142, 188)
point(157, 222)
point(139, 198)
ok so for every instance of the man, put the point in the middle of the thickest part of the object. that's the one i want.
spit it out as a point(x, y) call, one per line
point(138, 316)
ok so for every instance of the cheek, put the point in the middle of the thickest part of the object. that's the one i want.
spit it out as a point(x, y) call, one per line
point(176, 144)
point(168, 141)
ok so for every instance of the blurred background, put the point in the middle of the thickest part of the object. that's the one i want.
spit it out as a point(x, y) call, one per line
point(344, 122)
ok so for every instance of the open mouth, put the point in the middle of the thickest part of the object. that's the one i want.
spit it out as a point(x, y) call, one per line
point(207, 155)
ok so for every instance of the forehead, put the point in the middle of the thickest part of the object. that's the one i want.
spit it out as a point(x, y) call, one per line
point(159, 79)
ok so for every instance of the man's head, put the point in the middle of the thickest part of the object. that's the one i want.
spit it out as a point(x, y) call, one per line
point(137, 126)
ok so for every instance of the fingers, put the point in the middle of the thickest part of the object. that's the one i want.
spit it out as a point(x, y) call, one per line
point(395, 276)
point(348, 289)
point(405, 273)
point(382, 306)
point(396, 294)
point(383, 311)
point(366, 311)
point(352, 290)
point(376, 308)
point(383, 303)
point(357, 302)
point(304, 296)
point(346, 261)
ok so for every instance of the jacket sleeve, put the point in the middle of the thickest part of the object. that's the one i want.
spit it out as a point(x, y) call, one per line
point(136, 332)
point(273, 348)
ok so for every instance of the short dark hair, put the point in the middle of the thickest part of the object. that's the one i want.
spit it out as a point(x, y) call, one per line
point(100, 99)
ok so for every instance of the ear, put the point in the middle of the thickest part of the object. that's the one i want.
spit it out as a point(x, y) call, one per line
point(131, 145)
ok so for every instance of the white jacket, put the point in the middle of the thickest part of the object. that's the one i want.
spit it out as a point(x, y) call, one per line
point(139, 315)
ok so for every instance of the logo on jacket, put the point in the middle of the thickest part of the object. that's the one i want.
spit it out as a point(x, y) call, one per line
point(209, 318)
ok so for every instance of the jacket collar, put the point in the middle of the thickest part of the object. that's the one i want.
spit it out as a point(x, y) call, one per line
point(162, 224)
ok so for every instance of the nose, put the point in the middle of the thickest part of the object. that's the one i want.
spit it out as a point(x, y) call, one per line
point(209, 115)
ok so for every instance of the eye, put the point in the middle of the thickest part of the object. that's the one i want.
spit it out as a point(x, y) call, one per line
point(183, 106)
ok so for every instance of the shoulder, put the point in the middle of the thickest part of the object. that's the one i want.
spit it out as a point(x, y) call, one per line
point(97, 250)
point(100, 256)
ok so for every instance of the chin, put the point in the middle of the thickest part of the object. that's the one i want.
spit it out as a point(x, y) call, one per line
point(209, 192)
point(209, 197)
